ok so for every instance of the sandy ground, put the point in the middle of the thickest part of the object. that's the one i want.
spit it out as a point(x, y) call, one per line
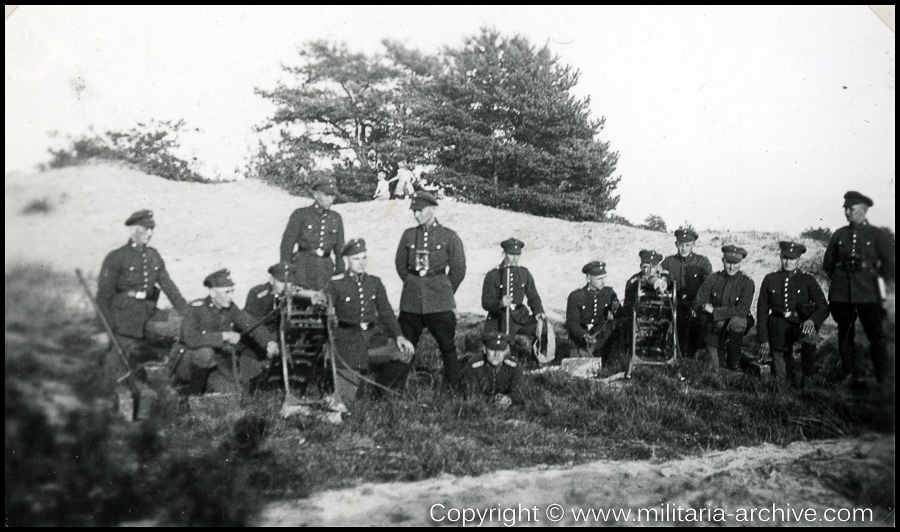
point(238, 225)
point(760, 486)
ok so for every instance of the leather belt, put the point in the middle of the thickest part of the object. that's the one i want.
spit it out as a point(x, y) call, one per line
point(136, 294)
point(430, 273)
point(364, 326)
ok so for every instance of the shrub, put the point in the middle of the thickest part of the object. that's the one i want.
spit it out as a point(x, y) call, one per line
point(654, 223)
point(820, 234)
point(149, 147)
point(38, 206)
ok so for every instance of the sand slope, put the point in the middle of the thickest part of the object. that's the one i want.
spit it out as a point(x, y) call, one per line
point(239, 225)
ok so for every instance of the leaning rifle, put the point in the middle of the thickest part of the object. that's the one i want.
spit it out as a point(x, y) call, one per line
point(112, 337)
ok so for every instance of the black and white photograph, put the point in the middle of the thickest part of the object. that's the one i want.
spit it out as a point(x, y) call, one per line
point(450, 265)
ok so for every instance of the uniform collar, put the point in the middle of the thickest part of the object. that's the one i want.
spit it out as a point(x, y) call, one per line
point(591, 289)
point(430, 225)
point(318, 207)
point(356, 276)
point(504, 264)
point(135, 245)
point(861, 224)
point(209, 303)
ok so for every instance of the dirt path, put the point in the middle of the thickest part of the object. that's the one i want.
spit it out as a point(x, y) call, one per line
point(801, 482)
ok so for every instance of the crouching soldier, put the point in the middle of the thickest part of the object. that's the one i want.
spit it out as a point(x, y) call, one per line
point(203, 358)
point(495, 375)
point(791, 308)
point(367, 331)
point(590, 314)
point(723, 303)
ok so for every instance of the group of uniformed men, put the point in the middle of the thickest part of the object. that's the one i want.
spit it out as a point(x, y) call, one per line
point(712, 308)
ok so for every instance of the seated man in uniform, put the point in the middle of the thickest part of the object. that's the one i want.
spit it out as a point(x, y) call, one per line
point(503, 295)
point(128, 288)
point(791, 308)
point(495, 376)
point(723, 304)
point(208, 339)
point(367, 329)
point(651, 281)
point(590, 314)
point(264, 304)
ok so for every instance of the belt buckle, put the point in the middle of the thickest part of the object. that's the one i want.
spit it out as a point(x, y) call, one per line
point(422, 273)
point(140, 295)
point(364, 326)
point(320, 252)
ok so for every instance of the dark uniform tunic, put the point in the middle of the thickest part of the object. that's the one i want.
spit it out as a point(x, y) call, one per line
point(786, 300)
point(432, 264)
point(687, 274)
point(731, 297)
point(366, 321)
point(480, 378)
point(262, 302)
point(316, 233)
point(129, 285)
point(202, 342)
point(854, 259)
point(590, 311)
point(518, 283)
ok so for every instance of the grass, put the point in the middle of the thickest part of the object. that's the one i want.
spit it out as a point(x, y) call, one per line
point(69, 461)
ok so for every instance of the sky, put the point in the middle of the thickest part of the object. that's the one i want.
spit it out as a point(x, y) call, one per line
point(741, 118)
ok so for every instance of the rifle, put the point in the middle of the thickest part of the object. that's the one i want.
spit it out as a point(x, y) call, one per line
point(330, 322)
point(112, 337)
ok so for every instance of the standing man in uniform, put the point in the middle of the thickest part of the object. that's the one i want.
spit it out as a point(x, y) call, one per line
point(724, 302)
point(507, 287)
point(590, 313)
point(688, 270)
point(432, 264)
point(495, 376)
point(313, 234)
point(791, 308)
point(127, 291)
point(367, 330)
point(209, 338)
point(858, 259)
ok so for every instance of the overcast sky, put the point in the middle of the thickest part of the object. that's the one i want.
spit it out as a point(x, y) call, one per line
point(740, 118)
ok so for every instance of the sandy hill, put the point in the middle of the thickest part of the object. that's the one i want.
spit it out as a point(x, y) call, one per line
point(239, 225)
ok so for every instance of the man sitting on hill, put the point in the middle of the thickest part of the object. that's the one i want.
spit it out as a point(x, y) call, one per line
point(590, 314)
point(723, 302)
point(503, 295)
point(791, 308)
point(208, 338)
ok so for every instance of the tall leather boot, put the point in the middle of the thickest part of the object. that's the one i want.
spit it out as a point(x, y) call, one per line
point(733, 344)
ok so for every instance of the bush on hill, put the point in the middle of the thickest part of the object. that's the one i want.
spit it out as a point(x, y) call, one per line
point(149, 147)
